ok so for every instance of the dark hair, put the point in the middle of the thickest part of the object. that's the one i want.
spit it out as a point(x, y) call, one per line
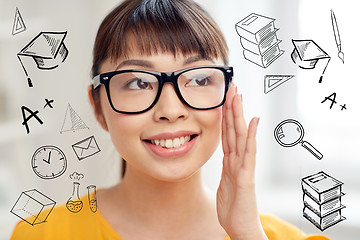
point(175, 26)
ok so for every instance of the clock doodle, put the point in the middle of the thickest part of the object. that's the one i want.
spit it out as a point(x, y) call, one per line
point(48, 162)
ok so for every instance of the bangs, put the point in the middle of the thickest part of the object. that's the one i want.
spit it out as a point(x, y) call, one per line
point(154, 26)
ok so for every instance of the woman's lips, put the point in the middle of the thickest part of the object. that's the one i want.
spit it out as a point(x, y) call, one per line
point(171, 144)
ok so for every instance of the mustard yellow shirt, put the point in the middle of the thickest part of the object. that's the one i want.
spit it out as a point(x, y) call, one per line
point(63, 224)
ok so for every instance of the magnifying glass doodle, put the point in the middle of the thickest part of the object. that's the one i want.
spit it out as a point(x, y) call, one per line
point(290, 132)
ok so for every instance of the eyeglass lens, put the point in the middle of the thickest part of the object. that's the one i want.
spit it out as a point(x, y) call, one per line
point(136, 91)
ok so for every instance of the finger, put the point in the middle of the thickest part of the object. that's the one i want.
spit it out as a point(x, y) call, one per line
point(239, 125)
point(250, 151)
point(223, 133)
point(229, 121)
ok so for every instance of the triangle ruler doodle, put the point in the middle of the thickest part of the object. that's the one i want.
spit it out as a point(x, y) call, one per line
point(19, 25)
point(72, 121)
point(273, 81)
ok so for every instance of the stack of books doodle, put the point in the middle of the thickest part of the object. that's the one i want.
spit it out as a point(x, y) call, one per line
point(322, 200)
point(259, 40)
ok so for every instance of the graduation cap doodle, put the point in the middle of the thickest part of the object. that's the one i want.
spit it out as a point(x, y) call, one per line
point(307, 53)
point(47, 49)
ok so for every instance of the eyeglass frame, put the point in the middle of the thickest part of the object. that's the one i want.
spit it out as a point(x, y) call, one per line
point(162, 77)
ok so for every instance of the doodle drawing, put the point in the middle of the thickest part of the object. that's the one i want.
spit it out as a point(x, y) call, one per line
point(337, 35)
point(47, 49)
point(92, 197)
point(86, 148)
point(259, 40)
point(273, 81)
point(48, 103)
point(74, 204)
point(27, 118)
point(48, 162)
point(322, 200)
point(31, 205)
point(332, 99)
point(19, 25)
point(290, 132)
point(307, 53)
point(72, 121)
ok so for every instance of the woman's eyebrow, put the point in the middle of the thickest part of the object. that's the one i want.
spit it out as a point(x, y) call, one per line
point(136, 62)
point(196, 58)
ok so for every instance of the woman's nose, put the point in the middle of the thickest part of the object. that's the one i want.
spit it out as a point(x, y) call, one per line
point(169, 107)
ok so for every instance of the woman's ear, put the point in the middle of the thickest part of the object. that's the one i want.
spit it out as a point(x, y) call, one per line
point(97, 109)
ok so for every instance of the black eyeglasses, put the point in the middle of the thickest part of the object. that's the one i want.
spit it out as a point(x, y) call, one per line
point(137, 91)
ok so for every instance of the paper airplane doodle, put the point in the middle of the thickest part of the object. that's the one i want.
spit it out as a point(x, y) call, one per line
point(72, 121)
point(19, 25)
point(273, 81)
point(47, 49)
point(259, 40)
point(307, 53)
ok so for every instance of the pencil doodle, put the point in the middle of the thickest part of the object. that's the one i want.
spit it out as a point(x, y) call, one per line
point(322, 200)
point(33, 207)
point(259, 40)
point(47, 49)
point(49, 162)
point(18, 25)
point(72, 121)
point(332, 99)
point(337, 35)
point(48, 103)
point(307, 53)
point(74, 203)
point(27, 118)
point(92, 197)
point(290, 132)
point(86, 148)
point(273, 81)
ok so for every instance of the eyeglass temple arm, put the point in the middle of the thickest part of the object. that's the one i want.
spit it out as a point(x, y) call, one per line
point(96, 81)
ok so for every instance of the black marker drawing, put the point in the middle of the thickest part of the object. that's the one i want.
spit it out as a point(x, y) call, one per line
point(307, 53)
point(19, 25)
point(259, 40)
point(332, 99)
point(273, 81)
point(72, 121)
point(92, 197)
point(322, 200)
point(343, 107)
point(47, 49)
point(48, 103)
point(30, 207)
point(290, 132)
point(74, 204)
point(49, 162)
point(86, 148)
point(337, 35)
point(27, 118)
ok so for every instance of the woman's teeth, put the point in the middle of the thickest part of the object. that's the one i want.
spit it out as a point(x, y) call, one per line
point(171, 143)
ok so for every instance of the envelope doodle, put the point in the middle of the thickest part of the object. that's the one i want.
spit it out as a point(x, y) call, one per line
point(86, 148)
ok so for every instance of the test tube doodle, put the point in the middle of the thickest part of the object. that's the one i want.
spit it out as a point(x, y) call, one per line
point(92, 197)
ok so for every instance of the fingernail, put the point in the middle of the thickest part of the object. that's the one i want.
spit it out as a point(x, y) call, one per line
point(257, 121)
point(241, 98)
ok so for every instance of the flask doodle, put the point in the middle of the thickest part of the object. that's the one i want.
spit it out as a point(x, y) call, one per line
point(74, 204)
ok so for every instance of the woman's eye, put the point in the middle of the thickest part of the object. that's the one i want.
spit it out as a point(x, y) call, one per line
point(203, 81)
point(139, 84)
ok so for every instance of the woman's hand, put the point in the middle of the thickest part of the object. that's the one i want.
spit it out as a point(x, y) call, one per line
point(236, 201)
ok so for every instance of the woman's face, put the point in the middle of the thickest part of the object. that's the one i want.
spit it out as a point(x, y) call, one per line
point(169, 123)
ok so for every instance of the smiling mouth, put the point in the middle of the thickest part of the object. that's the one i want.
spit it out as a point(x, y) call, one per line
point(171, 143)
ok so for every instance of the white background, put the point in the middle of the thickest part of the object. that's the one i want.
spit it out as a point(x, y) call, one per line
point(333, 132)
